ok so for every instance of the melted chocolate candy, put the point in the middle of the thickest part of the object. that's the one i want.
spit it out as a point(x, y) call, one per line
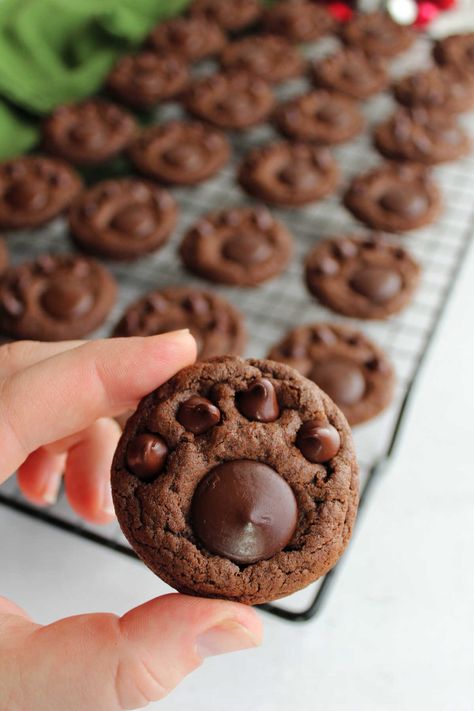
point(245, 511)
point(67, 299)
point(331, 113)
point(247, 249)
point(185, 156)
point(378, 284)
point(134, 220)
point(298, 175)
point(198, 414)
point(146, 456)
point(318, 441)
point(404, 201)
point(259, 402)
point(87, 134)
point(341, 379)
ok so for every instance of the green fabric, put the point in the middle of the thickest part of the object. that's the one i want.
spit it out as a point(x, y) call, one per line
point(55, 51)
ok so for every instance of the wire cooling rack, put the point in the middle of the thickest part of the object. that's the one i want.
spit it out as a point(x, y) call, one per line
point(284, 302)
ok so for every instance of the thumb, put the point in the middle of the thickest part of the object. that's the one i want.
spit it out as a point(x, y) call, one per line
point(105, 663)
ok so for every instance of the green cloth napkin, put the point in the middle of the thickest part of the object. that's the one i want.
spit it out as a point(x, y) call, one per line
point(55, 51)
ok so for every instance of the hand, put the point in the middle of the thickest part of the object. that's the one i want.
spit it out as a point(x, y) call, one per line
point(56, 401)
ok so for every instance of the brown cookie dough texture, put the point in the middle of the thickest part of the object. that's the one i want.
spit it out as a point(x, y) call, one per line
point(422, 136)
point(456, 52)
point(55, 298)
point(394, 197)
point(321, 117)
point(298, 20)
point(89, 132)
point(377, 34)
point(231, 16)
point(144, 79)
point(270, 57)
point(34, 189)
point(3, 256)
point(123, 218)
point(350, 368)
point(191, 38)
point(230, 100)
point(217, 326)
point(180, 152)
point(351, 72)
point(237, 479)
point(435, 88)
point(241, 246)
point(362, 277)
point(289, 174)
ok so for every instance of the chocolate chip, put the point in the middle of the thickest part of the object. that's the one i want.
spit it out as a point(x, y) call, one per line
point(345, 249)
point(248, 248)
point(404, 201)
point(378, 284)
point(318, 442)
point(327, 266)
point(341, 379)
point(198, 415)
point(196, 304)
point(298, 175)
point(134, 220)
point(244, 511)
point(259, 402)
point(146, 456)
point(185, 156)
point(67, 299)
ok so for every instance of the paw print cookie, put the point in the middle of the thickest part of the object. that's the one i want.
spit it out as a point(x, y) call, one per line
point(351, 72)
point(191, 38)
point(298, 20)
point(238, 480)
point(377, 34)
point(270, 57)
point(229, 15)
point(435, 88)
point(362, 277)
point(350, 368)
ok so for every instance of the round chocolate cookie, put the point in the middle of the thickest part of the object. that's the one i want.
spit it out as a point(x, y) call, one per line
point(368, 277)
point(237, 479)
point(231, 16)
point(435, 88)
point(231, 100)
point(89, 132)
point(180, 153)
point(123, 218)
point(216, 325)
point(422, 136)
point(321, 117)
point(298, 20)
point(142, 80)
point(241, 246)
point(394, 197)
point(350, 368)
point(34, 189)
point(191, 38)
point(267, 56)
point(457, 52)
point(351, 72)
point(55, 298)
point(3, 256)
point(377, 34)
point(289, 173)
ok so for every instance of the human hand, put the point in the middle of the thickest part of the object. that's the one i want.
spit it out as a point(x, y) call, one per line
point(56, 405)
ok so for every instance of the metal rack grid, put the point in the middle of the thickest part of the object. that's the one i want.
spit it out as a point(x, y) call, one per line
point(273, 308)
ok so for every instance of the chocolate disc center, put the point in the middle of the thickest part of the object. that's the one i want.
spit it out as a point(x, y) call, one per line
point(186, 156)
point(330, 113)
point(298, 175)
point(341, 379)
point(378, 284)
point(245, 511)
point(27, 194)
point(404, 201)
point(67, 299)
point(90, 135)
point(248, 248)
point(135, 220)
point(235, 104)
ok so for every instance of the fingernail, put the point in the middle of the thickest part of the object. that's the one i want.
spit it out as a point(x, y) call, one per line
point(51, 489)
point(180, 332)
point(227, 636)
point(107, 501)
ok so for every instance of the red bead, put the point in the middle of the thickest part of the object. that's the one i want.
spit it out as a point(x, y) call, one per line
point(445, 4)
point(427, 12)
point(340, 11)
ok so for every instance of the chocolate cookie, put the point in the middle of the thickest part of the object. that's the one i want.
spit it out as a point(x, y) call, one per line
point(231, 100)
point(422, 136)
point(394, 198)
point(457, 52)
point(298, 20)
point(368, 277)
point(270, 57)
point(231, 16)
point(55, 298)
point(321, 117)
point(242, 246)
point(351, 72)
point(352, 370)
point(377, 34)
point(142, 80)
point(3, 256)
point(216, 325)
point(289, 173)
point(34, 189)
point(435, 88)
point(180, 153)
point(192, 38)
point(237, 479)
point(123, 218)
point(89, 132)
